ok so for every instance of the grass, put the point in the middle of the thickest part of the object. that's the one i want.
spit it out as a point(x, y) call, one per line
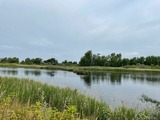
point(10, 109)
point(28, 99)
point(31, 91)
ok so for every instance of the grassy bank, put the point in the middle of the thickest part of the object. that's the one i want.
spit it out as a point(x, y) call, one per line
point(88, 69)
point(42, 99)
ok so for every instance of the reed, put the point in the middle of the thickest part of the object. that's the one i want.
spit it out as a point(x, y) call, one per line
point(31, 93)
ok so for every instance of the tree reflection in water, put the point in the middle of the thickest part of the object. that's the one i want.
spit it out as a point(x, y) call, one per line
point(51, 73)
point(32, 72)
point(117, 78)
point(112, 78)
point(9, 72)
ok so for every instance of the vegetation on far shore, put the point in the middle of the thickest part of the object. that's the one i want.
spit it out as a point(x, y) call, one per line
point(90, 59)
point(85, 70)
point(27, 99)
point(89, 62)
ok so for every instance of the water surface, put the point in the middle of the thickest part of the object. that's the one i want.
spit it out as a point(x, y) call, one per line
point(111, 87)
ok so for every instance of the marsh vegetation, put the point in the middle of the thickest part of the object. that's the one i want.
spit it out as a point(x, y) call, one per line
point(27, 99)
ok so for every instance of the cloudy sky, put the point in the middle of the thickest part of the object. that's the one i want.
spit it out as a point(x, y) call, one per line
point(66, 29)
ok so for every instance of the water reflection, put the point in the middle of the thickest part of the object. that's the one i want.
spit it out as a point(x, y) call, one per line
point(32, 72)
point(149, 78)
point(87, 80)
point(51, 73)
point(117, 78)
point(114, 79)
point(9, 72)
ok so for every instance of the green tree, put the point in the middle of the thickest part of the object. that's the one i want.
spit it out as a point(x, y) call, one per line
point(133, 61)
point(86, 60)
point(37, 61)
point(125, 61)
point(52, 61)
point(99, 60)
point(148, 60)
point(14, 60)
point(28, 61)
point(141, 60)
point(10, 60)
point(4, 60)
point(115, 60)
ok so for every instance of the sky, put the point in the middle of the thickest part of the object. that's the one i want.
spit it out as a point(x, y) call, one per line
point(66, 29)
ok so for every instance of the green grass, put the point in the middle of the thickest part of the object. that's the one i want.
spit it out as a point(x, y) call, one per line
point(10, 109)
point(30, 92)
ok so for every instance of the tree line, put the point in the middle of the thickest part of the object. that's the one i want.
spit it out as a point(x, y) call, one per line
point(116, 60)
point(37, 61)
point(90, 59)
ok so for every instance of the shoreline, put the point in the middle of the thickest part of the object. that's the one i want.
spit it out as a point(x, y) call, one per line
point(84, 70)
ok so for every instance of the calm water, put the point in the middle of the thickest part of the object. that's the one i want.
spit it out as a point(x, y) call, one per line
point(112, 88)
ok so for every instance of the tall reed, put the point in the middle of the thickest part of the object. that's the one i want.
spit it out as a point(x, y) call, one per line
point(31, 92)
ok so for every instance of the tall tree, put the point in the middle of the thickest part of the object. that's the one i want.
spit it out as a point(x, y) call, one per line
point(115, 60)
point(28, 61)
point(86, 60)
point(37, 61)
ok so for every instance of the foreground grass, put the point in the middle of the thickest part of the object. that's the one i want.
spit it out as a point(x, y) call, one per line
point(12, 110)
point(27, 99)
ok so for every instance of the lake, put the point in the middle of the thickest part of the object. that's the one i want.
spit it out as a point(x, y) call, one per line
point(111, 87)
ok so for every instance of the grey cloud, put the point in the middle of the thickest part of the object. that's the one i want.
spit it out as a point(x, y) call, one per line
point(5, 47)
point(66, 29)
